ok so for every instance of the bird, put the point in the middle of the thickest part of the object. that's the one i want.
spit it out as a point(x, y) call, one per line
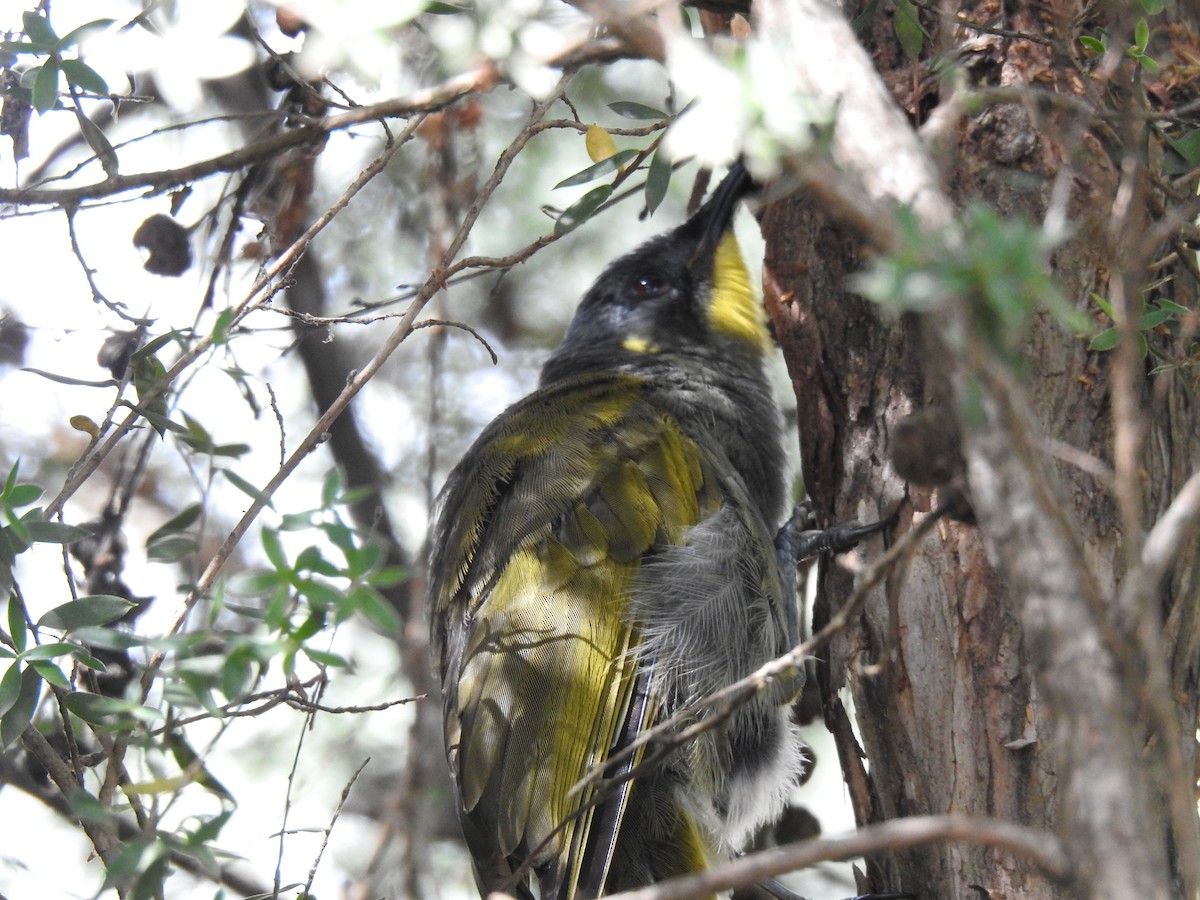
point(604, 555)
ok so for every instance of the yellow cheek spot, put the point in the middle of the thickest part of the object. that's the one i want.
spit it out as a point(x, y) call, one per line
point(639, 345)
point(733, 308)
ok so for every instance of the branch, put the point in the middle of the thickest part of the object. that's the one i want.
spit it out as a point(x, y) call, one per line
point(312, 132)
point(1041, 848)
point(1082, 666)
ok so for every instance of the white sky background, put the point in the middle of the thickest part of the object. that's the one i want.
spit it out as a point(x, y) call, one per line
point(42, 283)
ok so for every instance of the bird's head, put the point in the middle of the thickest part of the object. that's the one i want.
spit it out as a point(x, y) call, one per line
point(686, 292)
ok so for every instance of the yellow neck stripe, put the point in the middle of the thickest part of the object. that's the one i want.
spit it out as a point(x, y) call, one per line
point(733, 308)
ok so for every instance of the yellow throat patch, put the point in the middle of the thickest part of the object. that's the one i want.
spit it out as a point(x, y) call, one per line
point(734, 309)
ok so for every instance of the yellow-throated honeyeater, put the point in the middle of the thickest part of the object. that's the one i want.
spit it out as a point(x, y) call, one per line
point(603, 555)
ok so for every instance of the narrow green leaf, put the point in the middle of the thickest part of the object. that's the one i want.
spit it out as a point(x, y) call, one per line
point(319, 594)
point(96, 609)
point(51, 674)
point(45, 86)
point(245, 487)
point(310, 626)
point(273, 547)
point(41, 532)
point(628, 109)
point(325, 658)
point(100, 145)
point(437, 8)
point(582, 209)
point(1106, 339)
point(23, 494)
point(10, 687)
point(331, 488)
point(64, 379)
point(20, 714)
point(234, 451)
point(377, 610)
point(598, 170)
point(98, 710)
point(235, 675)
point(17, 624)
point(84, 77)
point(1172, 306)
point(37, 29)
point(172, 549)
point(48, 651)
point(75, 35)
point(1091, 43)
point(658, 180)
point(1141, 35)
point(907, 25)
point(176, 524)
point(19, 47)
point(221, 327)
point(1154, 318)
point(11, 481)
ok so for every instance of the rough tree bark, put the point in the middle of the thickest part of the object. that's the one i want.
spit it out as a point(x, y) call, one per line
point(1000, 673)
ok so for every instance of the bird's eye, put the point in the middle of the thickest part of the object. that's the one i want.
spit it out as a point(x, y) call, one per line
point(646, 285)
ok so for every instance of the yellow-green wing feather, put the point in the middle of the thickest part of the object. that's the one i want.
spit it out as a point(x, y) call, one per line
point(543, 532)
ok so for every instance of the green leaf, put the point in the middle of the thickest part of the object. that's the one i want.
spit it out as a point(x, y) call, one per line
point(51, 674)
point(630, 110)
point(172, 549)
point(19, 47)
point(377, 610)
point(41, 532)
point(1106, 339)
point(23, 494)
point(84, 77)
point(331, 488)
point(1152, 7)
point(96, 609)
point(98, 710)
point(10, 688)
point(319, 594)
point(11, 481)
point(325, 658)
point(1172, 306)
point(1093, 44)
point(598, 170)
point(45, 86)
point(37, 29)
point(245, 487)
point(222, 325)
point(310, 626)
point(20, 713)
point(17, 624)
point(64, 379)
point(907, 25)
point(273, 547)
point(1141, 35)
point(1154, 318)
point(658, 180)
point(177, 523)
point(76, 35)
point(236, 674)
point(582, 209)
point(437, 8)
point(49, 651)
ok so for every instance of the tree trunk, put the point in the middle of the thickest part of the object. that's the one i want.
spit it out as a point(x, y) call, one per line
point(978, 686)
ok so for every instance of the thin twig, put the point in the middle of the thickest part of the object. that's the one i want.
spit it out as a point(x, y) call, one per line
point(1040, 847)
point(312, 873)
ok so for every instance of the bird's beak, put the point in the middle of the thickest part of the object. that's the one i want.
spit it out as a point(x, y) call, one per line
point(715, 217)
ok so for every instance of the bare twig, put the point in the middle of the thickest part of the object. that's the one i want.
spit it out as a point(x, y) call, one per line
point(1040, 847)
point(312, 873)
